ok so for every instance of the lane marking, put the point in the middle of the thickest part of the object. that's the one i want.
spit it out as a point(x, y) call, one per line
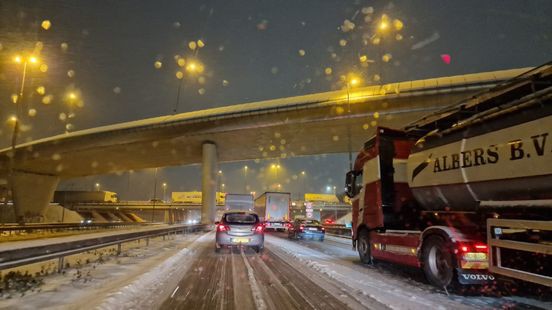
point(255, 289)
point(174, 292)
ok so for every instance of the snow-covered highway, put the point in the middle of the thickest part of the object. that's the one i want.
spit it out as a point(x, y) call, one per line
point(185, 273)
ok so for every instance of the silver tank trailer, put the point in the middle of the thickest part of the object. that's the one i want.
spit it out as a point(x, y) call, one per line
point(507, 158)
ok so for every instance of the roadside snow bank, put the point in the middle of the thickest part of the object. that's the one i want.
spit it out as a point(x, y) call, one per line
point(149, 290)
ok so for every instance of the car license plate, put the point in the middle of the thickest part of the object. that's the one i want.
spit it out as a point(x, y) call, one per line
point(277, 224)
point(313, 228)
point(240, 240)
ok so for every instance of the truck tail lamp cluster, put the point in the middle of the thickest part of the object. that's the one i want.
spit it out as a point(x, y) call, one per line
point(473, 256)
point(222, 227)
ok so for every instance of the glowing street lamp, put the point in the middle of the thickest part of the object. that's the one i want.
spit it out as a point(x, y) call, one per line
point(219, 180)
point(352, 81)
point(383, 24)
point(97, 187)
point(192, 67)
point(18, 59)
point(245, 168)
point(164, 185)
point(12, 119)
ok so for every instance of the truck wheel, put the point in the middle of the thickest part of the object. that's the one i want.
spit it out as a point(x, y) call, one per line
point(437, 260)
point(364, 247)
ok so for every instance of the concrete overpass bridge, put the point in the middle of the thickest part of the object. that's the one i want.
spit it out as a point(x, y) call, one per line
point(137, 211)
point(328, 122)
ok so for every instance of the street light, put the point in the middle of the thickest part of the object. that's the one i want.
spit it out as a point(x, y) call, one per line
point(303, 175)
point(154, 193)
point(245, 177)
point(97, 187)
point(18, 99)
point(352, 81)
point(219, 180)
point(164, 190)
point(383, 24)
point(192, 67)
point(276, 167)
point(384, 27)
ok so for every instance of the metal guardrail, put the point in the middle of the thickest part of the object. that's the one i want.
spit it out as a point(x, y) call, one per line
point(66, 226)
point(337, 229)
point(40, 253)
point(497, 233)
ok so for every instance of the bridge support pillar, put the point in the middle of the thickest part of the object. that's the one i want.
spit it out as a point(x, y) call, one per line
point(32, 193)
point(208, 182)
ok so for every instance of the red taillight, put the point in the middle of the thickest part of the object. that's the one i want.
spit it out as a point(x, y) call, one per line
point(301, 227)
point(222, 227)
point(258, 229)
point(323, 228)
point(478, 247)
point(481, 247)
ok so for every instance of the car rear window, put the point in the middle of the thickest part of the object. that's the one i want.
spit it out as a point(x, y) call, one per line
point(240, 218)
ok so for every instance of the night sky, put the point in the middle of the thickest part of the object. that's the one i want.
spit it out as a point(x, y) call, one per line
point(105, 52)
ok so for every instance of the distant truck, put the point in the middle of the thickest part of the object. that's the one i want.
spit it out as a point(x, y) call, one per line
point(241, 202)
point(194, 197)
point(273, 208)
point(72, 197)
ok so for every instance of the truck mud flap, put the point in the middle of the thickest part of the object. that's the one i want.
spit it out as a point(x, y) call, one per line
point(474, 276)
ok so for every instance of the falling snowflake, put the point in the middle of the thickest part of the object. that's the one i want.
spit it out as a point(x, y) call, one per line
point(347, 26)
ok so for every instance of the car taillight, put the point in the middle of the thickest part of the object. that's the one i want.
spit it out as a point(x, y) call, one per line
point(222, 227)
point(322, 228)
point(258, 229)
point(301, 227)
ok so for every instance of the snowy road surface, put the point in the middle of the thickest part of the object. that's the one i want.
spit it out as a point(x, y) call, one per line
point(310, 275)
point(185, 273)
point(241, 279)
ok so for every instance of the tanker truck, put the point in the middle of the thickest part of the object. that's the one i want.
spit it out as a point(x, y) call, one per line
point(465, 194)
